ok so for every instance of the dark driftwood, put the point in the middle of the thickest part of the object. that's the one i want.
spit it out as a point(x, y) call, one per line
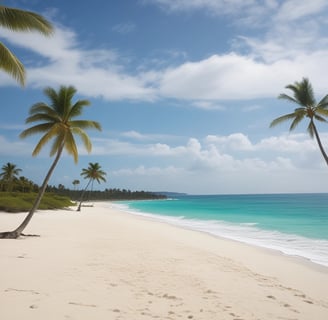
point(15, 235)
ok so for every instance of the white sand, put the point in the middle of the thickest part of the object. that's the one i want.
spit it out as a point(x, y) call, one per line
point(104, 264)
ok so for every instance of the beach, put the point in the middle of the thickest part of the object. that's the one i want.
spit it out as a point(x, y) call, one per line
point(102, 263)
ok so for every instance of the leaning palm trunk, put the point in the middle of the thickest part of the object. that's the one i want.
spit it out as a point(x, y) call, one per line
point(319, 142)
point(82, 195)
point(17, 232)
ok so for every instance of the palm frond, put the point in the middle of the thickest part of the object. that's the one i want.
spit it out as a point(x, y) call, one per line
point(302, 93)
point(320, 118)
point(57, 122)
point(59, 141)
point(70, 146)
point(299, 117)
point(100, 176)
point(41, 117)
point(42, 127)
point(94, 172)
point(77, 108)
point(323, 112)
point(85, 124)
point(21, 20)
point(281, 119)
point(53, 97)
point(65, 96)
point(41, 107)
point(11, 64)
point(84, 137)
point(44, 140)
point(323, 103)
point(284, 96)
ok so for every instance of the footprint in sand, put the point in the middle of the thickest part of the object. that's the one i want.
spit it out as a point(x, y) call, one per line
point(169, 297)
point(82, 304)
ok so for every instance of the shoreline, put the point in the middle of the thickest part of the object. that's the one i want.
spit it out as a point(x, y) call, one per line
point(214, 230)
point(106, 263)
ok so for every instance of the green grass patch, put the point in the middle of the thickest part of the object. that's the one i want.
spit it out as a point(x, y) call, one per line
point(20, 202)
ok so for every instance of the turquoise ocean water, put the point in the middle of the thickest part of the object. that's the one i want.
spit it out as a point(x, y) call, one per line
point(295, 224)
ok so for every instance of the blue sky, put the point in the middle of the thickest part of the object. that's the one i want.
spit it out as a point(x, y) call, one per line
point(185, 91)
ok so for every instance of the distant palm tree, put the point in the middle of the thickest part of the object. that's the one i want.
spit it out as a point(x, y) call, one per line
point(9, 173)
point(93, 172)
point(58, 125)
point(25, 185)
point(75, 183)
point(19, 20)
point(308, 108)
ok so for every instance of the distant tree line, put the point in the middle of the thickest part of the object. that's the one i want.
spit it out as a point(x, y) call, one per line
point(20, 184)
point(10, 181)
point(107, 194)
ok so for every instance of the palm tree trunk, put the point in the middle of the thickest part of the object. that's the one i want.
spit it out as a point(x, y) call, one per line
point(82, 195)
point(319, 142)
point(17, 232)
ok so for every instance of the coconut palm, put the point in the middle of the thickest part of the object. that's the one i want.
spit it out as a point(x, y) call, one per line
point(75, 183)
point(9, 173)
point(57, 123)
point(19, 20)
point(25, 185)
point(303, 96)
point(93, 172)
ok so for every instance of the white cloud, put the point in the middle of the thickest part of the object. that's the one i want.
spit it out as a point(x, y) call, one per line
point(137, 136)
point(233, 77)
point(134, 135)
point(249, 12)
point(235, 141)
point(143, 171)
point(295, 9)
point(218, 7)
point(294, 143)
point(283, 54)
point(124, 28)
point(13, 148)
point(96, 73)
point(222, 164)
point(231, 152)
point(208, 105)
point(231, 164)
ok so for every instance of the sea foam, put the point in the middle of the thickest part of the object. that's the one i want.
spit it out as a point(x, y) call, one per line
point(312, 249)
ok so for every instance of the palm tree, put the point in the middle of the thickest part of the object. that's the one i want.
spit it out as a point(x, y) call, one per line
point(57, 124)
point(75, 183)
point(93, 172)
point(308, 108)
point(19, 20)
point(25, 185)
point(9, 173)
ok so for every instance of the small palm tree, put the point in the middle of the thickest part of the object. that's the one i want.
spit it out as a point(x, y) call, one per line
point(19, 20)
point(303, 96)
point(57, 124)
point(9, 173)
point(93, 172)
point(25, 185)
point(75, 183)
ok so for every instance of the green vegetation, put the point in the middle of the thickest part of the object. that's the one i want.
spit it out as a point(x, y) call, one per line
point(107, 194)
point(23, 191)
point(19, 20)
point(20, 202)
point(9, 173)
